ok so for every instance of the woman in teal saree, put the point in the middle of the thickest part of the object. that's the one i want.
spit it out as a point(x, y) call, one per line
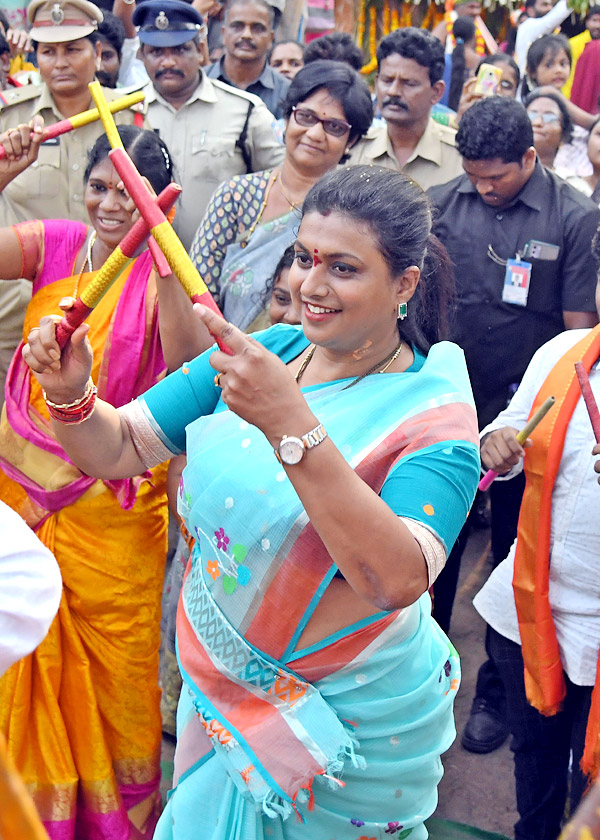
point(318, 691)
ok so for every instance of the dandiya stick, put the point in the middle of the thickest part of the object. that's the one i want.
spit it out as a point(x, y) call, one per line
point(161, 230)
point(111, 269)
point(521, 437)
point(114, 138)
point(85, 117)
point(589, 399)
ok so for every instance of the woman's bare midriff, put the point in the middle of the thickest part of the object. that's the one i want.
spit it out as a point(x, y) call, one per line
point(339, 607)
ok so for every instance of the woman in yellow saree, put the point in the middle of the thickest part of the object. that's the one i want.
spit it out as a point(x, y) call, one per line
point(81, 714)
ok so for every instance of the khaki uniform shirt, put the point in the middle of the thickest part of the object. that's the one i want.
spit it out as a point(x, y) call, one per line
point(52, 187)
point(434, 160)
point(201, 136)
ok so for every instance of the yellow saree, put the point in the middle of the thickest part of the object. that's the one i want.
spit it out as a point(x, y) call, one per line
point(81, 714)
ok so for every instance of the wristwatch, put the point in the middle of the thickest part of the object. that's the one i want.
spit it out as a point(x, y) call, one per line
point(291, 449)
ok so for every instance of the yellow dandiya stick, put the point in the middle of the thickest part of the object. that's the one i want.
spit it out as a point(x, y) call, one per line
point(111, 269)
point(161, 230)
point(521, 437)
point(86, 117)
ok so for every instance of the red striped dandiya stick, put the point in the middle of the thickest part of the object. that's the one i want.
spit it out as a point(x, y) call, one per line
point(85, 117)
point(589, 399)
point(111, 269)
point(170, 244)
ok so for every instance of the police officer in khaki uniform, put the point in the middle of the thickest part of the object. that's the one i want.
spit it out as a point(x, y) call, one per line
point(408, 84)
point(212, 130)
point(68, 52)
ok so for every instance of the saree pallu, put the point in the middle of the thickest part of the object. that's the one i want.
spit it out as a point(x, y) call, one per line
point(81, 714)
point(247, 268)
point(348, 732)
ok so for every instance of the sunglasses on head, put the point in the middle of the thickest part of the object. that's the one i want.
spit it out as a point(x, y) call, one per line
point(307, 118)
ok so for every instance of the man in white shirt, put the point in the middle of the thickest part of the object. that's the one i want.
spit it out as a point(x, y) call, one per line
point(544, 743)
point(30, 588)
point(543, 18)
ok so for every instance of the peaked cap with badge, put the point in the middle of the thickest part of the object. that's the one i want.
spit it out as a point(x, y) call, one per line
point(167, 23)
point(56, 21)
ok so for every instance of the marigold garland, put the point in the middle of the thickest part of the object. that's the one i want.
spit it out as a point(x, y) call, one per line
point(372, 64)
point(386, 17)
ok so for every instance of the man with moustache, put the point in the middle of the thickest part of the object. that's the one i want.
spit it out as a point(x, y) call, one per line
point(212, 130)
point(247, 37)
point(408, 84)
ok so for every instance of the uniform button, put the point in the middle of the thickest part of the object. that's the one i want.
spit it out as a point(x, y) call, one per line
point(75, 167)
point(499, 216)
point(76, 197)
point(488, 299)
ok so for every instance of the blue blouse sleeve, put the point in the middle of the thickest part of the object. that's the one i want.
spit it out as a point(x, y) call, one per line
point(436, 487)
point(190, 392)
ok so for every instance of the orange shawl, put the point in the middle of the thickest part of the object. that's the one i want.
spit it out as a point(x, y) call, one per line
point(544, 678)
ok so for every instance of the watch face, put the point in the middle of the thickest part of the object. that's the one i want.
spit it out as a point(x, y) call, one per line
point(291, 450)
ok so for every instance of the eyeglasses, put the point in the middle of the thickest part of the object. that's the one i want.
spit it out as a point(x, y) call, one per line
point(545, 118)
point(307, 118)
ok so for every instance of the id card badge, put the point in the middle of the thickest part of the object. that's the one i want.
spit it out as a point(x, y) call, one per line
point(516, 282)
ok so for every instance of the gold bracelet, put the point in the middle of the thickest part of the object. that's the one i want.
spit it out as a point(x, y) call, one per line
point(88, 388)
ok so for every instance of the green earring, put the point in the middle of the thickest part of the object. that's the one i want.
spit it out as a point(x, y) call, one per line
point(402, 311)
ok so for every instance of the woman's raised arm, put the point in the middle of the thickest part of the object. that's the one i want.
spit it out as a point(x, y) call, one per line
point(102, 445)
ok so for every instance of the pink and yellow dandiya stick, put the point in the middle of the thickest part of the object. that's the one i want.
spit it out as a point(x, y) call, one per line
point(521, 438)
point(589, 399)
point(86, 117)
point(161, 230)
point(111, 269)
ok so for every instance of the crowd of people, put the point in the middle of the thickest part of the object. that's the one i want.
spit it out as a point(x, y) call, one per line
point(406, 273)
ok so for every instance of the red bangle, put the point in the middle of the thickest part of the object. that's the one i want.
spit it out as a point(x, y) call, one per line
point(77, 411)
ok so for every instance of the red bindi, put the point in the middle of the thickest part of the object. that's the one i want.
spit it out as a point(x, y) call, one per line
point(316, 259)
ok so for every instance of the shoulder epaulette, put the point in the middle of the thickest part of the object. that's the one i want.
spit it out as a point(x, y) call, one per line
point(14, 96)
point(233, 91)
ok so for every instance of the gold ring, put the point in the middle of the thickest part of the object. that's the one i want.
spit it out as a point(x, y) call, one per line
point(217, 380)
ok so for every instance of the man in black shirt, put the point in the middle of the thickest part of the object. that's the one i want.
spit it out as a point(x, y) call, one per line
point(519, 238)
point(247, 38)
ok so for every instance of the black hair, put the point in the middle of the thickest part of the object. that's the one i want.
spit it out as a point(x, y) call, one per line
point(145, 148)
point(300, 46)
point(397, 214)
point(273, 18)
point(335, 46)
point(546, 46)
point(112, 30)
point(418, 44)
point(502, 58)
point(495, 127)
point(4, 22)
point(4, 47)
point(593, 10)
point(463, 31)
point(566, 122)
point(285, 261)
point(342, 83)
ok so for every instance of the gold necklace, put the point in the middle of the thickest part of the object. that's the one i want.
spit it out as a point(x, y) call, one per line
point(270, 185)
point(305, 361)
point(380, 367)
point(294, 205)
point(87, 261)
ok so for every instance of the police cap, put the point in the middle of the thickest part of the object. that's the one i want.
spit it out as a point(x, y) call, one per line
point(166, 23)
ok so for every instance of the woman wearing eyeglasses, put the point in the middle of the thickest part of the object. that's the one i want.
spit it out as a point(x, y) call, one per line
point(552, 126)
point(253, 218)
